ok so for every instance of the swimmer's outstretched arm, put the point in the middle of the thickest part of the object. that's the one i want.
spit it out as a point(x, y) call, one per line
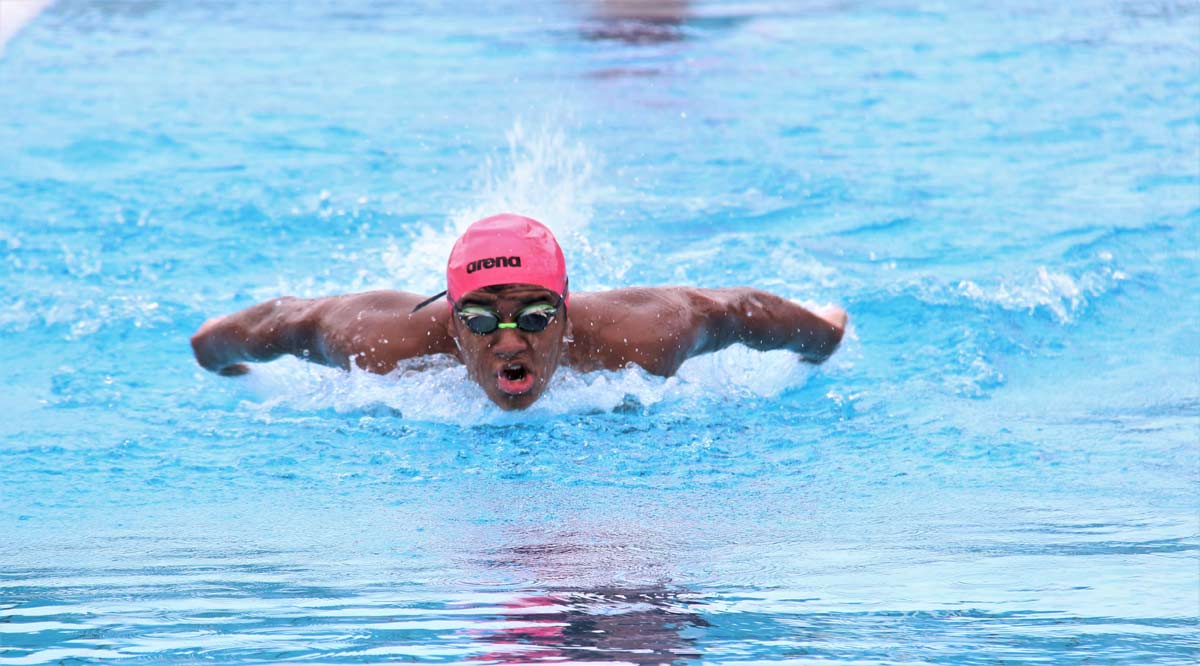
point(374, 330)
point(763, 321)
point(659, 328)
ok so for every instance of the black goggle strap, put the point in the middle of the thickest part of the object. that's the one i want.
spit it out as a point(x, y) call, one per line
point(427, 301)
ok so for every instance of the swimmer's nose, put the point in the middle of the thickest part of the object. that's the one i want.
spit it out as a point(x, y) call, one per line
point(508, 344)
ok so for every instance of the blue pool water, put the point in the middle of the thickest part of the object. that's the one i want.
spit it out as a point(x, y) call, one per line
point(999, 467)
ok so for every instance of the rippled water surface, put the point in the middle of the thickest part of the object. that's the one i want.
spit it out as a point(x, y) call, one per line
point(999, 467)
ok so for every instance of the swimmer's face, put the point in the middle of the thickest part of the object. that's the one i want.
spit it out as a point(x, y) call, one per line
point(512, 365)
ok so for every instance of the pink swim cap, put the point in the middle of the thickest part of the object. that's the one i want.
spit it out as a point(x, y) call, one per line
point(505, 249)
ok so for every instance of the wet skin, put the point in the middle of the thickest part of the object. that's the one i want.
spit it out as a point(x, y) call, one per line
point(656, 328)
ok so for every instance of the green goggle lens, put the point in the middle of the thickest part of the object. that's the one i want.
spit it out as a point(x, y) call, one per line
point(532, 319)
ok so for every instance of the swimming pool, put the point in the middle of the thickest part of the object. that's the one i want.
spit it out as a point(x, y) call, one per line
point(999, 467)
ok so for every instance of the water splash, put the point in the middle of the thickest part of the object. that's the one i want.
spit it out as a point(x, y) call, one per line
point(1057, 292)
point(91, 313)
point(544, 174)
point(438, 389)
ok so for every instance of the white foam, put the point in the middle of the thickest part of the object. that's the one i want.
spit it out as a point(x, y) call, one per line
point(1059, 293)
point(438, 389)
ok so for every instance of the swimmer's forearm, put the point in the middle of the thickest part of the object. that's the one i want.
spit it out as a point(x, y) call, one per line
point(764, 321)
point(259, 333)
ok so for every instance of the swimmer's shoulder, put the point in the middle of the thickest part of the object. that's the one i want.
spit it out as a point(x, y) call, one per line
point(385, 307)
point(627, 297)
point(378, 329)
point(390, 301)
point(650, 326)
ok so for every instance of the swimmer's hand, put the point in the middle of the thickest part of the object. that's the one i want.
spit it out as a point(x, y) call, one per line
point(836, 318)
point(223, 344)
point(211, 349)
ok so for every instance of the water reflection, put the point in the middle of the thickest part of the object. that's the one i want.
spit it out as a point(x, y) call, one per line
point(637, 21)
point(576, 620)
point(649, 625)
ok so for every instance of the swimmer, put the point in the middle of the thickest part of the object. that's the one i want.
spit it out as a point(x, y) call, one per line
point(510, 318)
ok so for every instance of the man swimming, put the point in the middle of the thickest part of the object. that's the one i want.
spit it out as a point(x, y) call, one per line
point(511, 321)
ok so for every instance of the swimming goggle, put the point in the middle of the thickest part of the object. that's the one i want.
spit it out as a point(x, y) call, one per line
point(531, 319)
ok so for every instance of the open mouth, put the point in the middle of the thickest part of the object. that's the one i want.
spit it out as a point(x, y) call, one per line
point(515, 379)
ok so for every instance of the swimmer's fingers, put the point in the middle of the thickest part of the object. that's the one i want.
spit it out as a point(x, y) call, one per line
point(235, 370)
